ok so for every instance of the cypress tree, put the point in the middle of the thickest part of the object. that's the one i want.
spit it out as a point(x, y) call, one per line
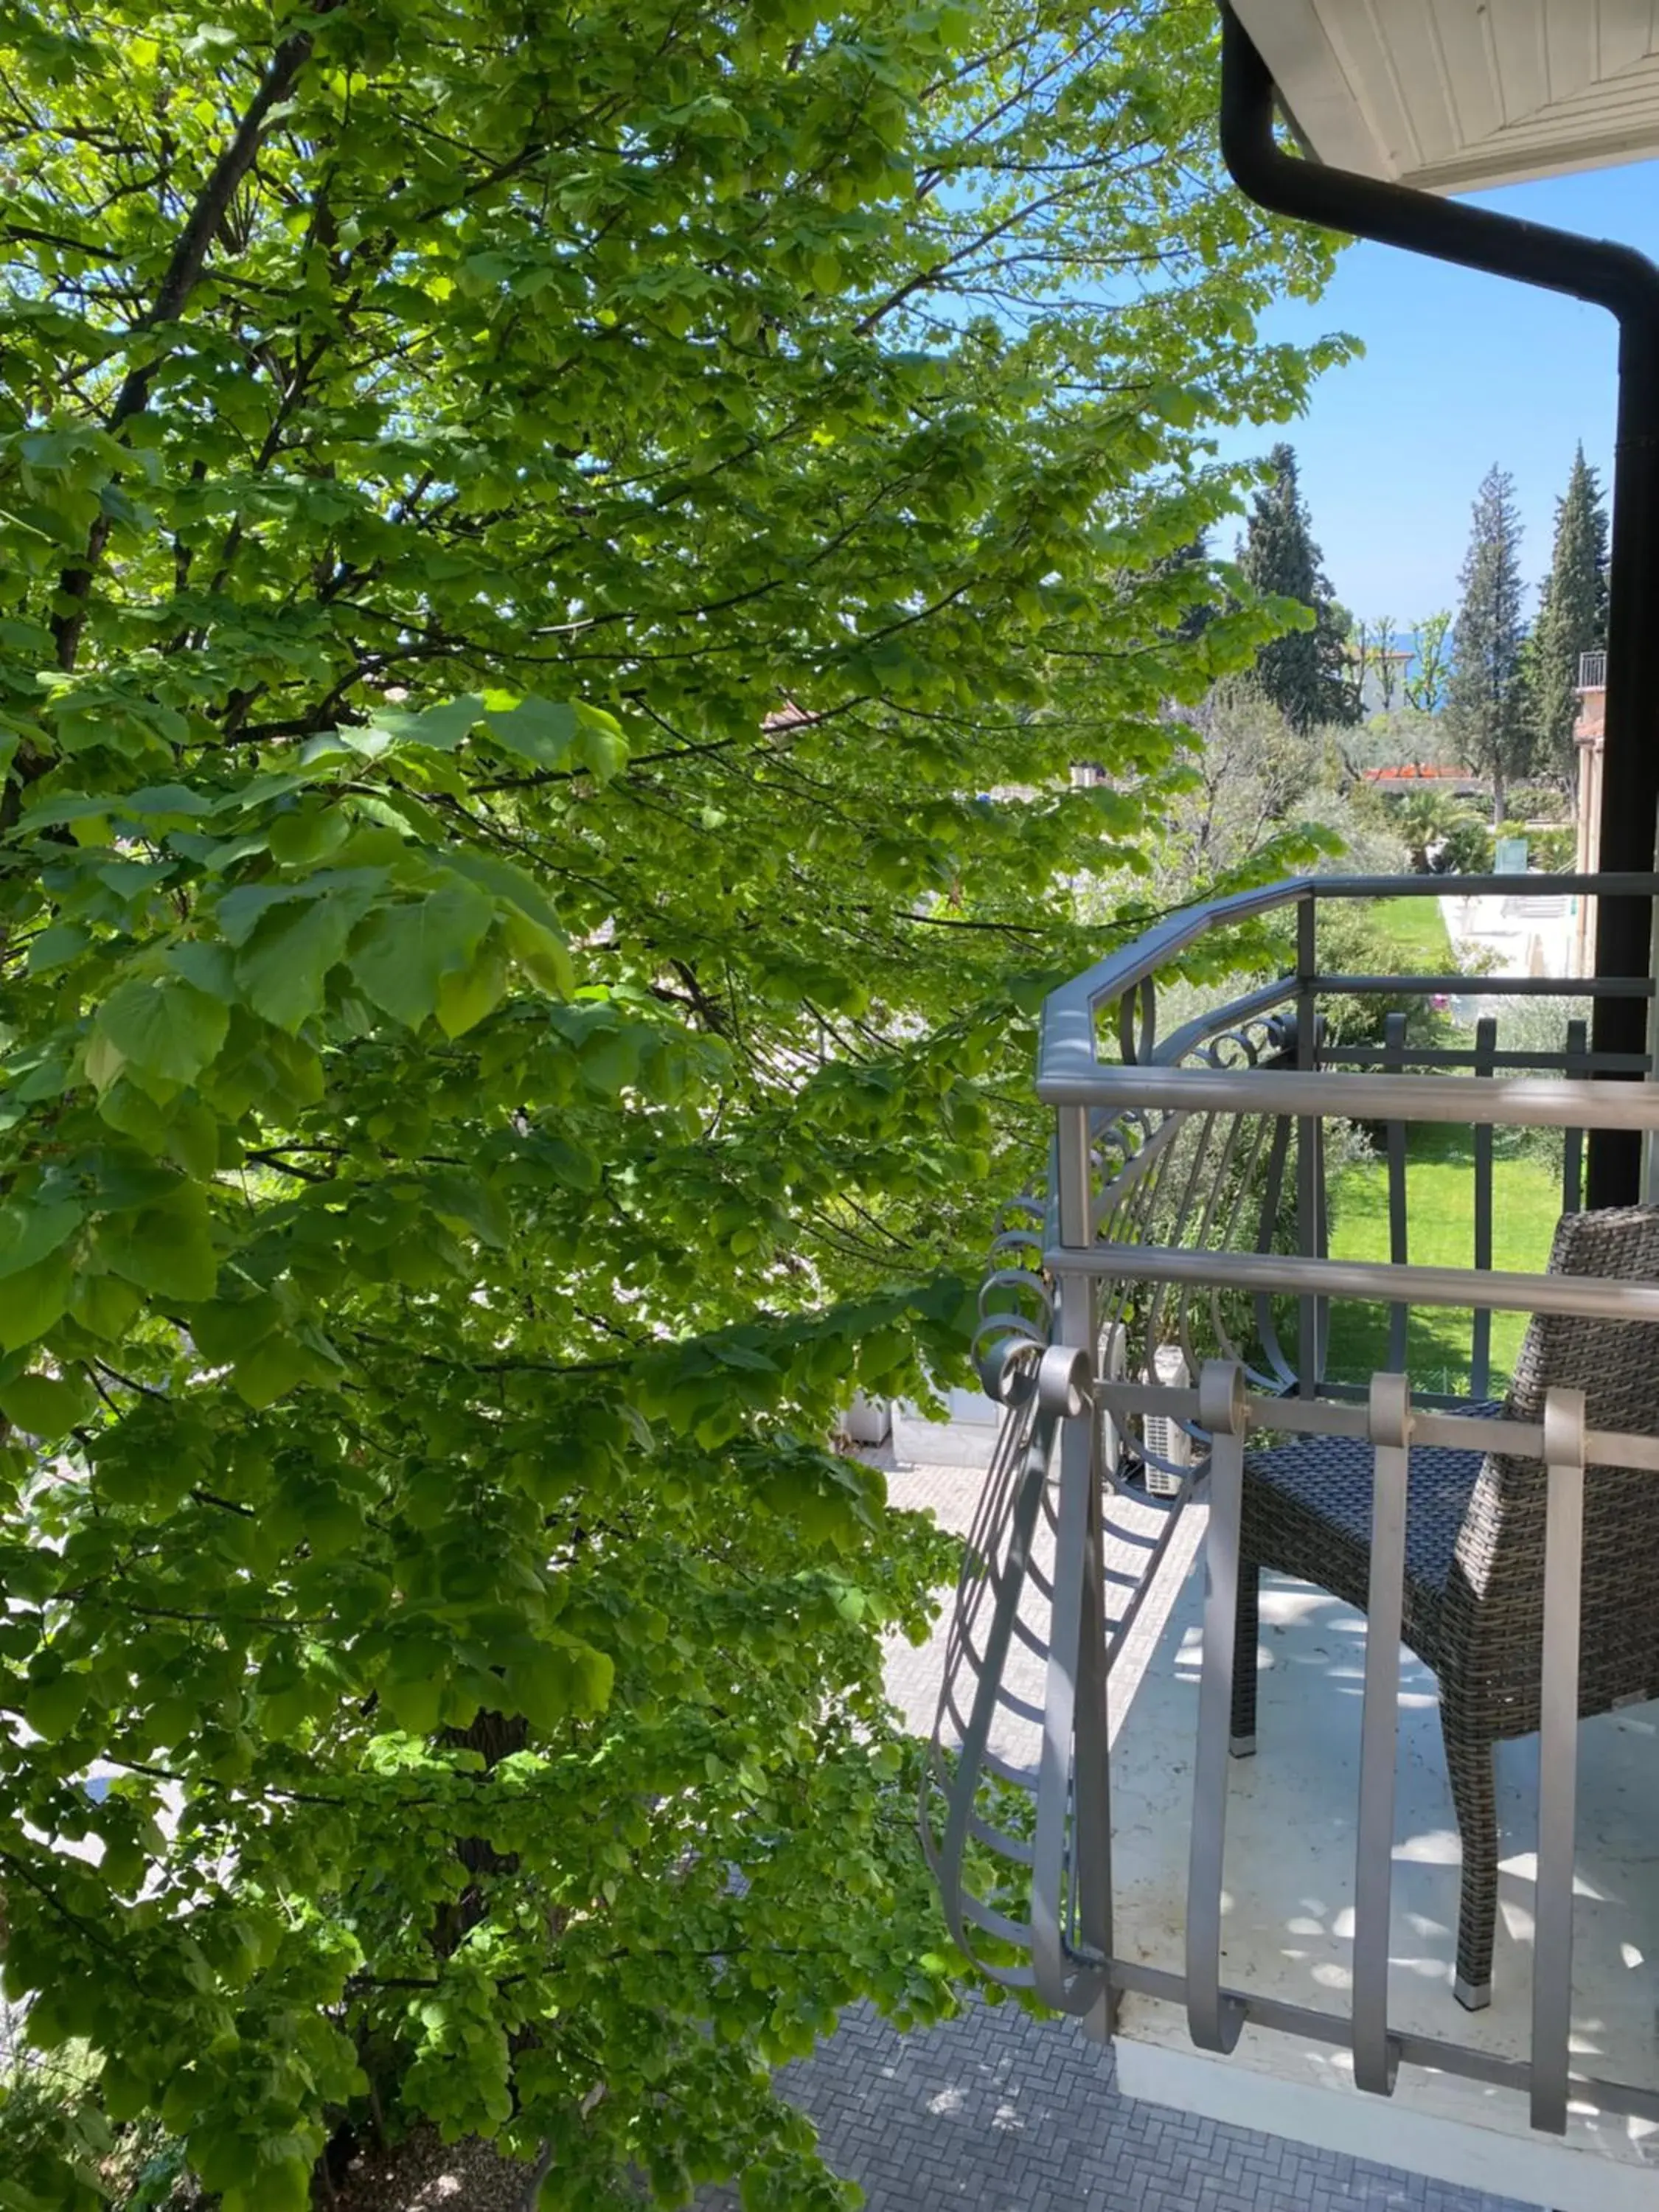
point(1305, 674)
point(1487, 696)
point(1572, 616)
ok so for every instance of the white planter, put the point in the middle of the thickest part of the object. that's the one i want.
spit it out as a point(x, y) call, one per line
point(867, 1420)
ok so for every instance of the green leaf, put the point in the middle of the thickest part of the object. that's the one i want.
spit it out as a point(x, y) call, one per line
point(126, 2092)
point(466, 994)
point(241, 910)
point(515, 887)
point(70, 806)
point(542, 953)
point(398, 810)
point(103, 1305)
point(284, 2187)
point(468, 1204)
point(402, 953)
point(543, 732)
point(158, 1028)
point(29, 1230)
point(555, 735)
point(414, 1704)
point(47, 1406)
point(32, 1299)
point(284, 963)
point(559, 1682)
point(442, 728)
point(275, 1367)
point(165, 798)
point(308, 834)
point(226, 1328)
point(166, 1249)
point(53, 1708)
point(54, 947)
point(209, 966)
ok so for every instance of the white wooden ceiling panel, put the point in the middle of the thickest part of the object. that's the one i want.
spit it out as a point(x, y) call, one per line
point(1467, 67)
point(1455, 95)
point(1371, 74)
point(1409, 31)
point(1520, 59)
point(1618, 32)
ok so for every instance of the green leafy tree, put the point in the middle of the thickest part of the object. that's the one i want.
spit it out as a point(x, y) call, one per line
point(1384, 662)
point(1425, 686)
point(551, 569)
point(1572, 617)
point(1247, 797)
point(1486, 696)
point(1306, 673)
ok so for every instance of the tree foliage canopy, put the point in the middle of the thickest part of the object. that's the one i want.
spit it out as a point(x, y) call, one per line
point(528, 537)
point(1306, 673)
point(1572, 616)
point(1486, 705)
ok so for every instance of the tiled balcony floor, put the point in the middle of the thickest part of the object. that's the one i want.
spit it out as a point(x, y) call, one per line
point(1288, 1886)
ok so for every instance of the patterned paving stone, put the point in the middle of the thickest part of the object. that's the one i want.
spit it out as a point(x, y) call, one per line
point(999, 2112)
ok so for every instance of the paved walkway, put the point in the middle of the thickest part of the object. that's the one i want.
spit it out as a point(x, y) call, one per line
point(999, 2112)
point(995, 2112)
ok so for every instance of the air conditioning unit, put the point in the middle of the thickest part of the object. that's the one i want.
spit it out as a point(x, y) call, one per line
point(1164, 1437)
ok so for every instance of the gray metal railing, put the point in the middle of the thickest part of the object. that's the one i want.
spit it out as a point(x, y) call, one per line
point(1592, 672)
point(1145, 1290)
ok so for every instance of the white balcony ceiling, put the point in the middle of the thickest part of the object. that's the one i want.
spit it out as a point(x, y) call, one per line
point(1453, 95)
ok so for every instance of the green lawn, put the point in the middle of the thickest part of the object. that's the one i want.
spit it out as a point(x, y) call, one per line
point(1419, 929)
point(1440, 1210)
point(1440, 1206)
point(1440, 1232)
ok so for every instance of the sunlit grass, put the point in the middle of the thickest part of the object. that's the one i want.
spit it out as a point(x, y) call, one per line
point(1440, 1193)
point(1419, 929)
point(1440, 1187)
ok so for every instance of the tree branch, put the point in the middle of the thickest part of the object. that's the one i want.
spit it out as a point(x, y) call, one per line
point(183, 272)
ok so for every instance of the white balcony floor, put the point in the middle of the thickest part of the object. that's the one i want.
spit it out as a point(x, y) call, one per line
point(1289, 1870)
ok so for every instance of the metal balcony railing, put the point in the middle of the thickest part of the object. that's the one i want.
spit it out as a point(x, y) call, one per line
point(1156, 1313)
point(1592, 672)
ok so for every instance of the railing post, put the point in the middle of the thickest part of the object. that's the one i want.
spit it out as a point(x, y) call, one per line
point(1485, 1045)
point(1394, 1059)
point(1073, 1869)
point(1309, 1194)
point(1214, 2021)
point(1558, 1758)
point(1092, 1798)
point(1077, 1669)
point(1572, 1140)
point(1376, 2056)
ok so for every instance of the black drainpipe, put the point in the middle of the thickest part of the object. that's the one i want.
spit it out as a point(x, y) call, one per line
point(1626, 283)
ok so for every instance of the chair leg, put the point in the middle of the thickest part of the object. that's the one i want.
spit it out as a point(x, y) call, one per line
point(1474, 1794)
point(1246, 1637)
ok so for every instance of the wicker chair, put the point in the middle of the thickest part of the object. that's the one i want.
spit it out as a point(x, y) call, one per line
point(1474, 1554)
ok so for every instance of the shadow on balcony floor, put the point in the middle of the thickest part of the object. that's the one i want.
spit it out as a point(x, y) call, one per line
point(1289, 1871)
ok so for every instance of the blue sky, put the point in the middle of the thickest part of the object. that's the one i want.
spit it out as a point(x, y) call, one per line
point(1459, 371)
